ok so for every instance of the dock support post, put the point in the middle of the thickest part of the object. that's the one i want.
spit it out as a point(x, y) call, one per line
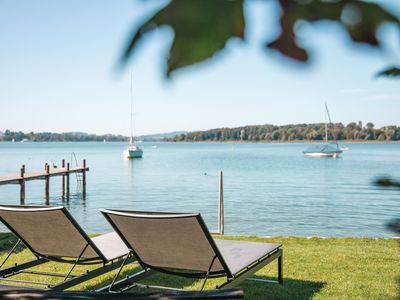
point(22, 185)
point(67, 175)
point(62, 180)
point(84, 179)
point(47, 184)
point(221, 205)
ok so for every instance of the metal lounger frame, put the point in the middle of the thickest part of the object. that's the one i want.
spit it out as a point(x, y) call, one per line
point(232, 279)
point(69, 280)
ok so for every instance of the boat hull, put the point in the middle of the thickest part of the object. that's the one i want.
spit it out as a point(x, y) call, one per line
point(133, 152)
point(327, 150)
point(319, 154)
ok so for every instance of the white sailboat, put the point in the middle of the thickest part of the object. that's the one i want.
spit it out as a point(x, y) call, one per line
point(133, 151)
point(326, 150)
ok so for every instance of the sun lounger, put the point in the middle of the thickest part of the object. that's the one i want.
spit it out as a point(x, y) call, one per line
point(180, 244)
point(52, 234)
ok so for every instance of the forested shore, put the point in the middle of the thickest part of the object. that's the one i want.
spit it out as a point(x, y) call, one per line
point(292, 133)
point(17, 136)
point(254, 133)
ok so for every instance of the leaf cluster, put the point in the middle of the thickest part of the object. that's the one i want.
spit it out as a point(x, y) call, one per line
point(203, 27)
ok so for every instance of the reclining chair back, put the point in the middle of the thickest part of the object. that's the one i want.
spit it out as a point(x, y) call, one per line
point(165, 241)
point(49, 231)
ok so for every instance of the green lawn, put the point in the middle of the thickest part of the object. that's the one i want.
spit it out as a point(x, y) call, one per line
point(316, 268)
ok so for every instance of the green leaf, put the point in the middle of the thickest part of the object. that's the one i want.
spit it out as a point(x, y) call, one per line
point(201, 27)
point(360, 19)
point(389, 72)
point(292, 12)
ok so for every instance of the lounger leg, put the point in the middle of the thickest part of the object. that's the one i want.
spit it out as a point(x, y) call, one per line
point(129, 280)
point(10, 252)
point(208, 273)
point(231, 282)
point(280, 269)
point(76, 261)
point(18, 267)
point(89, 275)
point(119, 272)
point(22, 266)
point(280, 273)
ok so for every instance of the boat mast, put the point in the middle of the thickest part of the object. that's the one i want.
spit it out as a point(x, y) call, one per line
point(326, 127)
point(131, 98)
point(326, 131)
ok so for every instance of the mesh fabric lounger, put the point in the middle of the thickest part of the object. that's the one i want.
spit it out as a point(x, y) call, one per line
point(180, 244)
point(52, 234)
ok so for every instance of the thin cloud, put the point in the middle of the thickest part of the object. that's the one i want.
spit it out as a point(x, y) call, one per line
point(355, 91)
point(383, 97)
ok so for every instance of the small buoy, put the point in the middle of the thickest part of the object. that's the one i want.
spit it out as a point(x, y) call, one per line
point(205, 173)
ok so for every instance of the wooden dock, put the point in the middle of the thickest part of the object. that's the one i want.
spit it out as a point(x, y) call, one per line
point(64, 171)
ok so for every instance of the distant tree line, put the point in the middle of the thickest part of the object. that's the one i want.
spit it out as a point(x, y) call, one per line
point(299, 132)
point(58, 137)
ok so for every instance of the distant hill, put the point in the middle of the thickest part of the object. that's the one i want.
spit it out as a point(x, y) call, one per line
point(18, 136)
point(297, 132)
point(159, 136)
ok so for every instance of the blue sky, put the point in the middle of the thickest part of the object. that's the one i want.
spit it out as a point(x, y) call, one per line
point(58, 73)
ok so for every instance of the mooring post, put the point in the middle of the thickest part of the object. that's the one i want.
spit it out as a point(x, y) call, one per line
point(67, 175)
point(221, 204)
point(47, 184)
point(84, 178)
point(22, 185)
point(62, 180)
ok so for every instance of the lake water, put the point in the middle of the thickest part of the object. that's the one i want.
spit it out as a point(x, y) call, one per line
point(269, 189)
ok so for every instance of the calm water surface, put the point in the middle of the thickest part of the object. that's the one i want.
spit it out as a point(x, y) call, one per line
point(270, 189)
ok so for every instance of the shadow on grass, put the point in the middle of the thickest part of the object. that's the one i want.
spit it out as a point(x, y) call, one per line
point(290, 289)
point(154, 279)
point(7, 241)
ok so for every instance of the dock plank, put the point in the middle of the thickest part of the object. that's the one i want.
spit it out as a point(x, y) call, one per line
point(15, 178)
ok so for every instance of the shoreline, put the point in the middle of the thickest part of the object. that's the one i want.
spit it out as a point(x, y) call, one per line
point(289, 142)
point(230, 141)
point(307, 237)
